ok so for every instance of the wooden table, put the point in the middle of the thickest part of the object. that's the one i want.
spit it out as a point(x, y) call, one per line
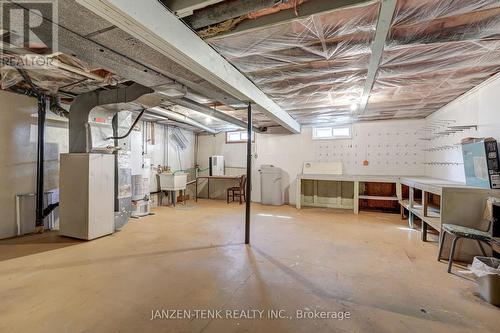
point(236, 177)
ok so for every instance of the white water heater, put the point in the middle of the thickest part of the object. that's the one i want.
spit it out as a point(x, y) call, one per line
point(216, 165)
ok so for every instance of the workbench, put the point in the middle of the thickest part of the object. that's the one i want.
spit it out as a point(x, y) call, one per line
point(454, 203)
point(346, 184)
point(423, 209)
point(232, 177)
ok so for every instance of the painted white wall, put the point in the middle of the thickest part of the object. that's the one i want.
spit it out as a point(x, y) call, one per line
point(481, 107)
point(164, 152)
point(391, 147)
point(18, 140)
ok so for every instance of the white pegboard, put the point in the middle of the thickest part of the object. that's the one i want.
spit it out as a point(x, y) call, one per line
point(391, 148)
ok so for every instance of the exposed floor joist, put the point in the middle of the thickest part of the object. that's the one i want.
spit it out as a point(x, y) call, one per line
point(305, 9)
point(226, 10)
point(387, 8)
point(183, 8)
point(154, 25)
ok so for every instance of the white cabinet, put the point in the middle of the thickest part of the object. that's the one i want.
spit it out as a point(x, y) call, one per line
point(86, 195)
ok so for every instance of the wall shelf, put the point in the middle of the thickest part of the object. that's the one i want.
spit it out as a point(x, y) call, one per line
point(443, 202)
point(378, 197)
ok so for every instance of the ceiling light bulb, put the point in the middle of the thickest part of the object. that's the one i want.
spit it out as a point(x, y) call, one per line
point(208, 120)
point(354, 107)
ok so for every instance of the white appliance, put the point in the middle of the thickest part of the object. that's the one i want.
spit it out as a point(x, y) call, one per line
point(216, 165)
point(322, 168)
point(140, 208)
point(141, 175)
point(86, 195)
point(140, 194)
point(270, 185)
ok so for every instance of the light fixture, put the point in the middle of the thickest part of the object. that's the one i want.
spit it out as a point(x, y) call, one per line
point(354, 107)
point(208, 119)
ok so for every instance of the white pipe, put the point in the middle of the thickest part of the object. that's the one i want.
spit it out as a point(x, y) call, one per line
point(157, 111)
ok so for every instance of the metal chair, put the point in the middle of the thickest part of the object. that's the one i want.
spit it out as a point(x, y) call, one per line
point(458, 232)
point(238, 191)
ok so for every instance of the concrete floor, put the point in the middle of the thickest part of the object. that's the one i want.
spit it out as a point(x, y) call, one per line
point(192, 257)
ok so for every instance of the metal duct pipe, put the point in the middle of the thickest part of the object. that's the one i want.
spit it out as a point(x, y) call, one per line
point(157, 111)
point(80, 138)
point(187, 103)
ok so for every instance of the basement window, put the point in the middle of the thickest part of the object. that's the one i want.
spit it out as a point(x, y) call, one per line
point(331, 132)
point(238, 137)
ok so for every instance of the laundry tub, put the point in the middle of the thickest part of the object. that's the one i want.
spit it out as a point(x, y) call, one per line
point(173, 181)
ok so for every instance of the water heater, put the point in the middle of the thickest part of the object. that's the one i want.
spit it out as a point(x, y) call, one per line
point(216, 165)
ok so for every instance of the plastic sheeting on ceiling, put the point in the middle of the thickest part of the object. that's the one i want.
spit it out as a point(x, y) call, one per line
point(315, 68)
point(436, 51)
point(63, 74)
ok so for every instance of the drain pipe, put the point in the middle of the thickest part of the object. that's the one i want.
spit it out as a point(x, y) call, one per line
point(40, 158)
point(187, 103)
point(160, 112)
point(56, 108)
point(21, 91)
point(40, 211)
point(115, 122)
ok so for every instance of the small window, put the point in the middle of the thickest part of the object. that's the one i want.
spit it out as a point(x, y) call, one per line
point(238, 137)
point(323, 133)
point(342, 132)
point(233, 136)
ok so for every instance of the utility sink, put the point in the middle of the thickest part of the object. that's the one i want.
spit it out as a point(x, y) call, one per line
point(173, 182)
